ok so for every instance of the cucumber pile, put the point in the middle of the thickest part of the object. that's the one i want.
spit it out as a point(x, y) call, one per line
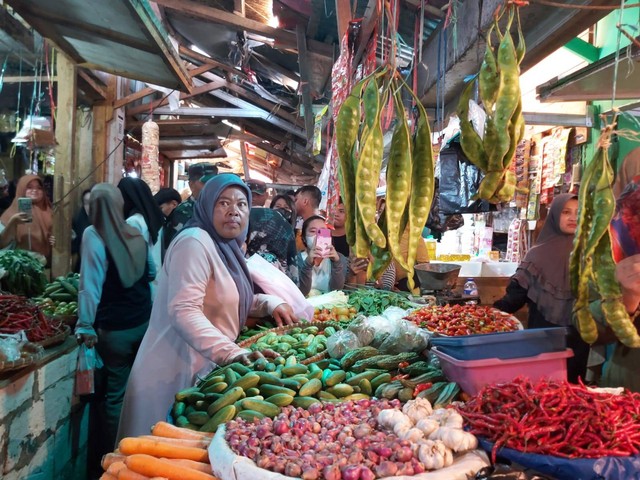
point(302, 343)
point(261, 390)
point(60, 297)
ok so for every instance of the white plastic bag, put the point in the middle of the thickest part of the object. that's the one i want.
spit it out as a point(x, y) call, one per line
point(273, 282)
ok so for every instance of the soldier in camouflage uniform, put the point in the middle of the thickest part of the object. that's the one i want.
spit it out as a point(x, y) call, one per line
point(198, 173)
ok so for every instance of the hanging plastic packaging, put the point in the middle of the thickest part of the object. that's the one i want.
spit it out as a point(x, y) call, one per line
point(88, 362)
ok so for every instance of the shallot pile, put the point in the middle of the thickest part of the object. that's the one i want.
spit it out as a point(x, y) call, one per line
point(330, 441)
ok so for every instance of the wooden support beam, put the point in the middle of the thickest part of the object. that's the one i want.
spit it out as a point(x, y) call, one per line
point(178, 122)
point(211, 112)
point(369, 21)
point(92, 82)
point(343, 16)
point(124, 101)
point(305, 78)
point(217, 154)
point(201, 69)
point(268, 147)
point(189, 54)
point(238, 7)
point(65, 176)
point(282, 38)
point(16, 30)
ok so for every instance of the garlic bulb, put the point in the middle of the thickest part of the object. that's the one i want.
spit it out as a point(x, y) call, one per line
point(417, 409)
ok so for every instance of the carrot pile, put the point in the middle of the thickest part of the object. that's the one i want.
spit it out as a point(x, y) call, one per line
point(556, 418)
point(169, 453)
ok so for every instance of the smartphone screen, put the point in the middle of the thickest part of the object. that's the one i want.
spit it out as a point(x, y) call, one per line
point(24, 205)
point(323, 241)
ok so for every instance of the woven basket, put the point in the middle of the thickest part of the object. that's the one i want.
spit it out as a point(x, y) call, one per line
point(286, 328)
point(31, 353)
point(56, 339)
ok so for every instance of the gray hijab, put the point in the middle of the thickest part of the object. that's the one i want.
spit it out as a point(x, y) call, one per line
point(229, 249)
point(544, 271)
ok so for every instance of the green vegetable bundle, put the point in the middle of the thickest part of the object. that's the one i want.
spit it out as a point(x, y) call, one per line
point(499, 88)
point(23, 272)
point(591, 257)
point(410, 172)
point(374, 302)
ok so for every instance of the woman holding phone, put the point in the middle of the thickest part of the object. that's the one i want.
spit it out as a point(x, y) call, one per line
point(29, 231)
point(320, 267)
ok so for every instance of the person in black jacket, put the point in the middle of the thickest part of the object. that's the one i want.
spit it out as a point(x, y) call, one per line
point(79, 223)
point(542, 281)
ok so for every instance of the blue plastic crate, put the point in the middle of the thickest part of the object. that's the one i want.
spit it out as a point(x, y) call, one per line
point(521, 343)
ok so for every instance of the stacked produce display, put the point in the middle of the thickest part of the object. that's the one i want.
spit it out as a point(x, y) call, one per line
point(368, 398)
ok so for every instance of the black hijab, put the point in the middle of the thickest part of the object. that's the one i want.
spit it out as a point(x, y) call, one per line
point(544, 271)
point(138, 199)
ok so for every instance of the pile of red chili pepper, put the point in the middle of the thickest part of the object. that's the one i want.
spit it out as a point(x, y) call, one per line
point(17, 313)
point(555, 418)
point(454, 320)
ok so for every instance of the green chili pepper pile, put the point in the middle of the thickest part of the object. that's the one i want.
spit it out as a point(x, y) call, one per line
point(499, 90)
point(410, 172)
point(591, 257)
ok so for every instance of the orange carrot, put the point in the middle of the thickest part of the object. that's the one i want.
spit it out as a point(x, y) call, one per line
point(183, 462)
point(115, 467)
point(127, 474)
point(132, 445)
point(183, 442)
point(110, 458)
point(108, 476)
point(151, 467)
point(165, 429)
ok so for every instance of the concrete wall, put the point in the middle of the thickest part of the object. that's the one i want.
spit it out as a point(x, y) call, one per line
point(43, 429)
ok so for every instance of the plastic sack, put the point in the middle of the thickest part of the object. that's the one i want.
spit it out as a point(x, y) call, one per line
point(395, 313)
point(273, 282)
point(582, 468)
point(363, 329)
point(342, 342)
point(10, 345)
point(382, 327)
point(88, 362)
point(406, 337)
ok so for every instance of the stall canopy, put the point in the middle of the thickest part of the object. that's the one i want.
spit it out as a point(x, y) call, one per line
point(595, 81)
point(123, 37)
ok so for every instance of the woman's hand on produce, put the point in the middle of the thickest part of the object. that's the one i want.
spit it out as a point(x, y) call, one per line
point(628, 274)
point(283, 315)
point(88, 339)
point(250, 357)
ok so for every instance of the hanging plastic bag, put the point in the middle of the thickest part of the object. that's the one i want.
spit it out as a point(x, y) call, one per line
point(273, 282)
point(88, 362)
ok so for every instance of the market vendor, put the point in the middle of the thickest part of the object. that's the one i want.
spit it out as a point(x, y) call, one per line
point(205, 295)
point(541, 281)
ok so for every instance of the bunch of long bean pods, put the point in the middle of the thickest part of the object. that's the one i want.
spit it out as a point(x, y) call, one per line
point(409, 177)
point(499, 90)
point(591, 261)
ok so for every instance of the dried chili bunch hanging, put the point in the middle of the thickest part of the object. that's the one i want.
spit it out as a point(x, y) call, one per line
point(410, 172)
point(499, 90)
point(591, 263)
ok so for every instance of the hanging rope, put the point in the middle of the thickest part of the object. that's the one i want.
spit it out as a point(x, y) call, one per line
point(617, 60)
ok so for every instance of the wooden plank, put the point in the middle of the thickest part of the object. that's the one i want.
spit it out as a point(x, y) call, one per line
point(369, 21)
point(238, 7)
point(66, 174)
point(124, 101)
point(198, 90)
point(305, 78)
point(28, 79)
point(268, 147)
point(201, 69)
point(245, 162)
point(217, 154)
point(173, 122)
point(283, 38)
point(343, 16)
point(187, 53)
point(211, 112)
point(93, 83)
point(16, 30)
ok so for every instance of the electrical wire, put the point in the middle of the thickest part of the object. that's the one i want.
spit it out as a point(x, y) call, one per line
point(550, 3)
point(617, 60)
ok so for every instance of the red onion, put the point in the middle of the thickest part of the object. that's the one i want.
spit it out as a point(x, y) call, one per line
point(386, 469)
point(292, 470)
point(332, 472)
point(362, 430)
point(404, 469)
point(315, 408)
point(356, 458)
point(403, 454)
point(366, 474)
point(263, 431)
point(373, 456)
point(280, 427)
point(352, 472)
point(418, 466)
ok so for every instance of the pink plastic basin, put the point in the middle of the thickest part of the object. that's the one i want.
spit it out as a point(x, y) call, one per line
point(472, 375)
